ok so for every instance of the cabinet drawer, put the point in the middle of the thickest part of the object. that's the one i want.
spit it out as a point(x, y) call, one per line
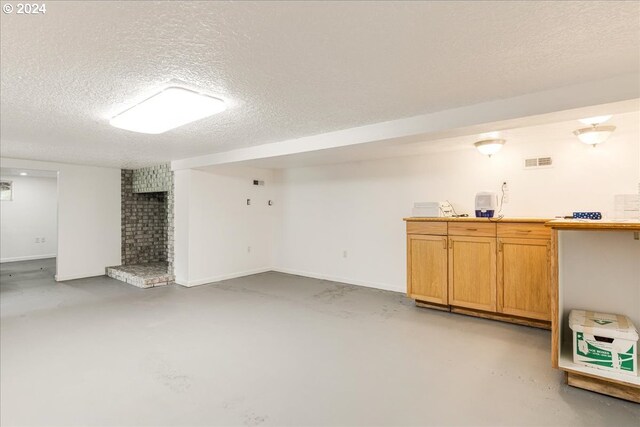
point(474, 229)
point(427, 227)
point(521, 230)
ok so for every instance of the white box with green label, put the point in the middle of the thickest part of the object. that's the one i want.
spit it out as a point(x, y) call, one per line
point(604, 341)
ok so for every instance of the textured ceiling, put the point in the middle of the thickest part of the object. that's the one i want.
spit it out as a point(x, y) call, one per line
point(287, 69)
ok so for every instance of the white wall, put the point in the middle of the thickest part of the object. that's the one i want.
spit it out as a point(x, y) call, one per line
point(215, 227)
point(590, 262)
point(31, 214)
point(88, 216)
point(358, 207)
point(181, 190)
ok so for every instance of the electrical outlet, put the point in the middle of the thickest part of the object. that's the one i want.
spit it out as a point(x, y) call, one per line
point(248, 249)
point(248, 202)
point(42, 240)
point(505, 192)
point(344, 254)
point(37, 240)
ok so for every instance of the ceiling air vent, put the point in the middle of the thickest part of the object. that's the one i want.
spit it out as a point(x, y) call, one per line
point(538, 162)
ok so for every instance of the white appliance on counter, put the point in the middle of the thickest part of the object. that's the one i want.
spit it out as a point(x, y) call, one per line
point(432, 209)
point(486, 204)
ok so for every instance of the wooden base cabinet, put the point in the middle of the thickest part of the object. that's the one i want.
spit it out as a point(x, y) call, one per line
point(427, 268)
point(479, 267)
point(472, 272)
point(524, 277)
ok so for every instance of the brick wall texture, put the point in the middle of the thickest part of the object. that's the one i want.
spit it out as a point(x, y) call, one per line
point(153, 179)
point(147, 215)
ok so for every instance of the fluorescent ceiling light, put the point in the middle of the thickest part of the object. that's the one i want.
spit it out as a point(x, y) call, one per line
point(168, 109)
point(23, 174)
point(595, 120)
point(594, 135)
point(489, 146)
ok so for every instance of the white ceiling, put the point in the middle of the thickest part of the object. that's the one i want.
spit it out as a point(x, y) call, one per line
point(287, 69)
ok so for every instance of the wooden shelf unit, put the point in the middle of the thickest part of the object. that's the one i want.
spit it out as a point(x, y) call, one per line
point(595, 267)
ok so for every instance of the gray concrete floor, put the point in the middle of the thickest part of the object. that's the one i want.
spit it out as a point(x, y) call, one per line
point(269, 349)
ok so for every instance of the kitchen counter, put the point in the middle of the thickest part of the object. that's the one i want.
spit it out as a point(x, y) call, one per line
point(585, 224)
point(474, 219)
point(559, 224)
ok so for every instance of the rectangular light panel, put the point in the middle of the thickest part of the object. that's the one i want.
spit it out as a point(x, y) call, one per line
point(166, 110)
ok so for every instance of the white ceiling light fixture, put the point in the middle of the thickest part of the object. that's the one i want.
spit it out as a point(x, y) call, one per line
point(489, 147)
point(23, 174)
point(168, 109)
point(595, 134)
point(597, 120)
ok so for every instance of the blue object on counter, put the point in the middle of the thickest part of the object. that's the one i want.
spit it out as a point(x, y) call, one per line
point(484, 214)
point(587, 215)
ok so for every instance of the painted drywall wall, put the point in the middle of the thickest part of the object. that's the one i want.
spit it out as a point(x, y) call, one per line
point(182, 188)
point(88, 217)
point(344, 222)
point(217, 235)
point(591, 263)
point(28, 223)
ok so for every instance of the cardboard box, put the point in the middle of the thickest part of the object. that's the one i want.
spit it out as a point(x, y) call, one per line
point(604, 341)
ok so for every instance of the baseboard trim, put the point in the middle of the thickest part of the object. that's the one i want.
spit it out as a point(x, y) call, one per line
point(59, 278)
point(373, 285)
point(26, 258)
point(181, 282)
point(213, 279)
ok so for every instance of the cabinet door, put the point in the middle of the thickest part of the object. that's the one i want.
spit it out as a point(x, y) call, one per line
point(524, 277)
point(472, 272)
point(427, 268)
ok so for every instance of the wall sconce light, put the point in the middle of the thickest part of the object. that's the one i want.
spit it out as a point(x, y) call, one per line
point(489, 146)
